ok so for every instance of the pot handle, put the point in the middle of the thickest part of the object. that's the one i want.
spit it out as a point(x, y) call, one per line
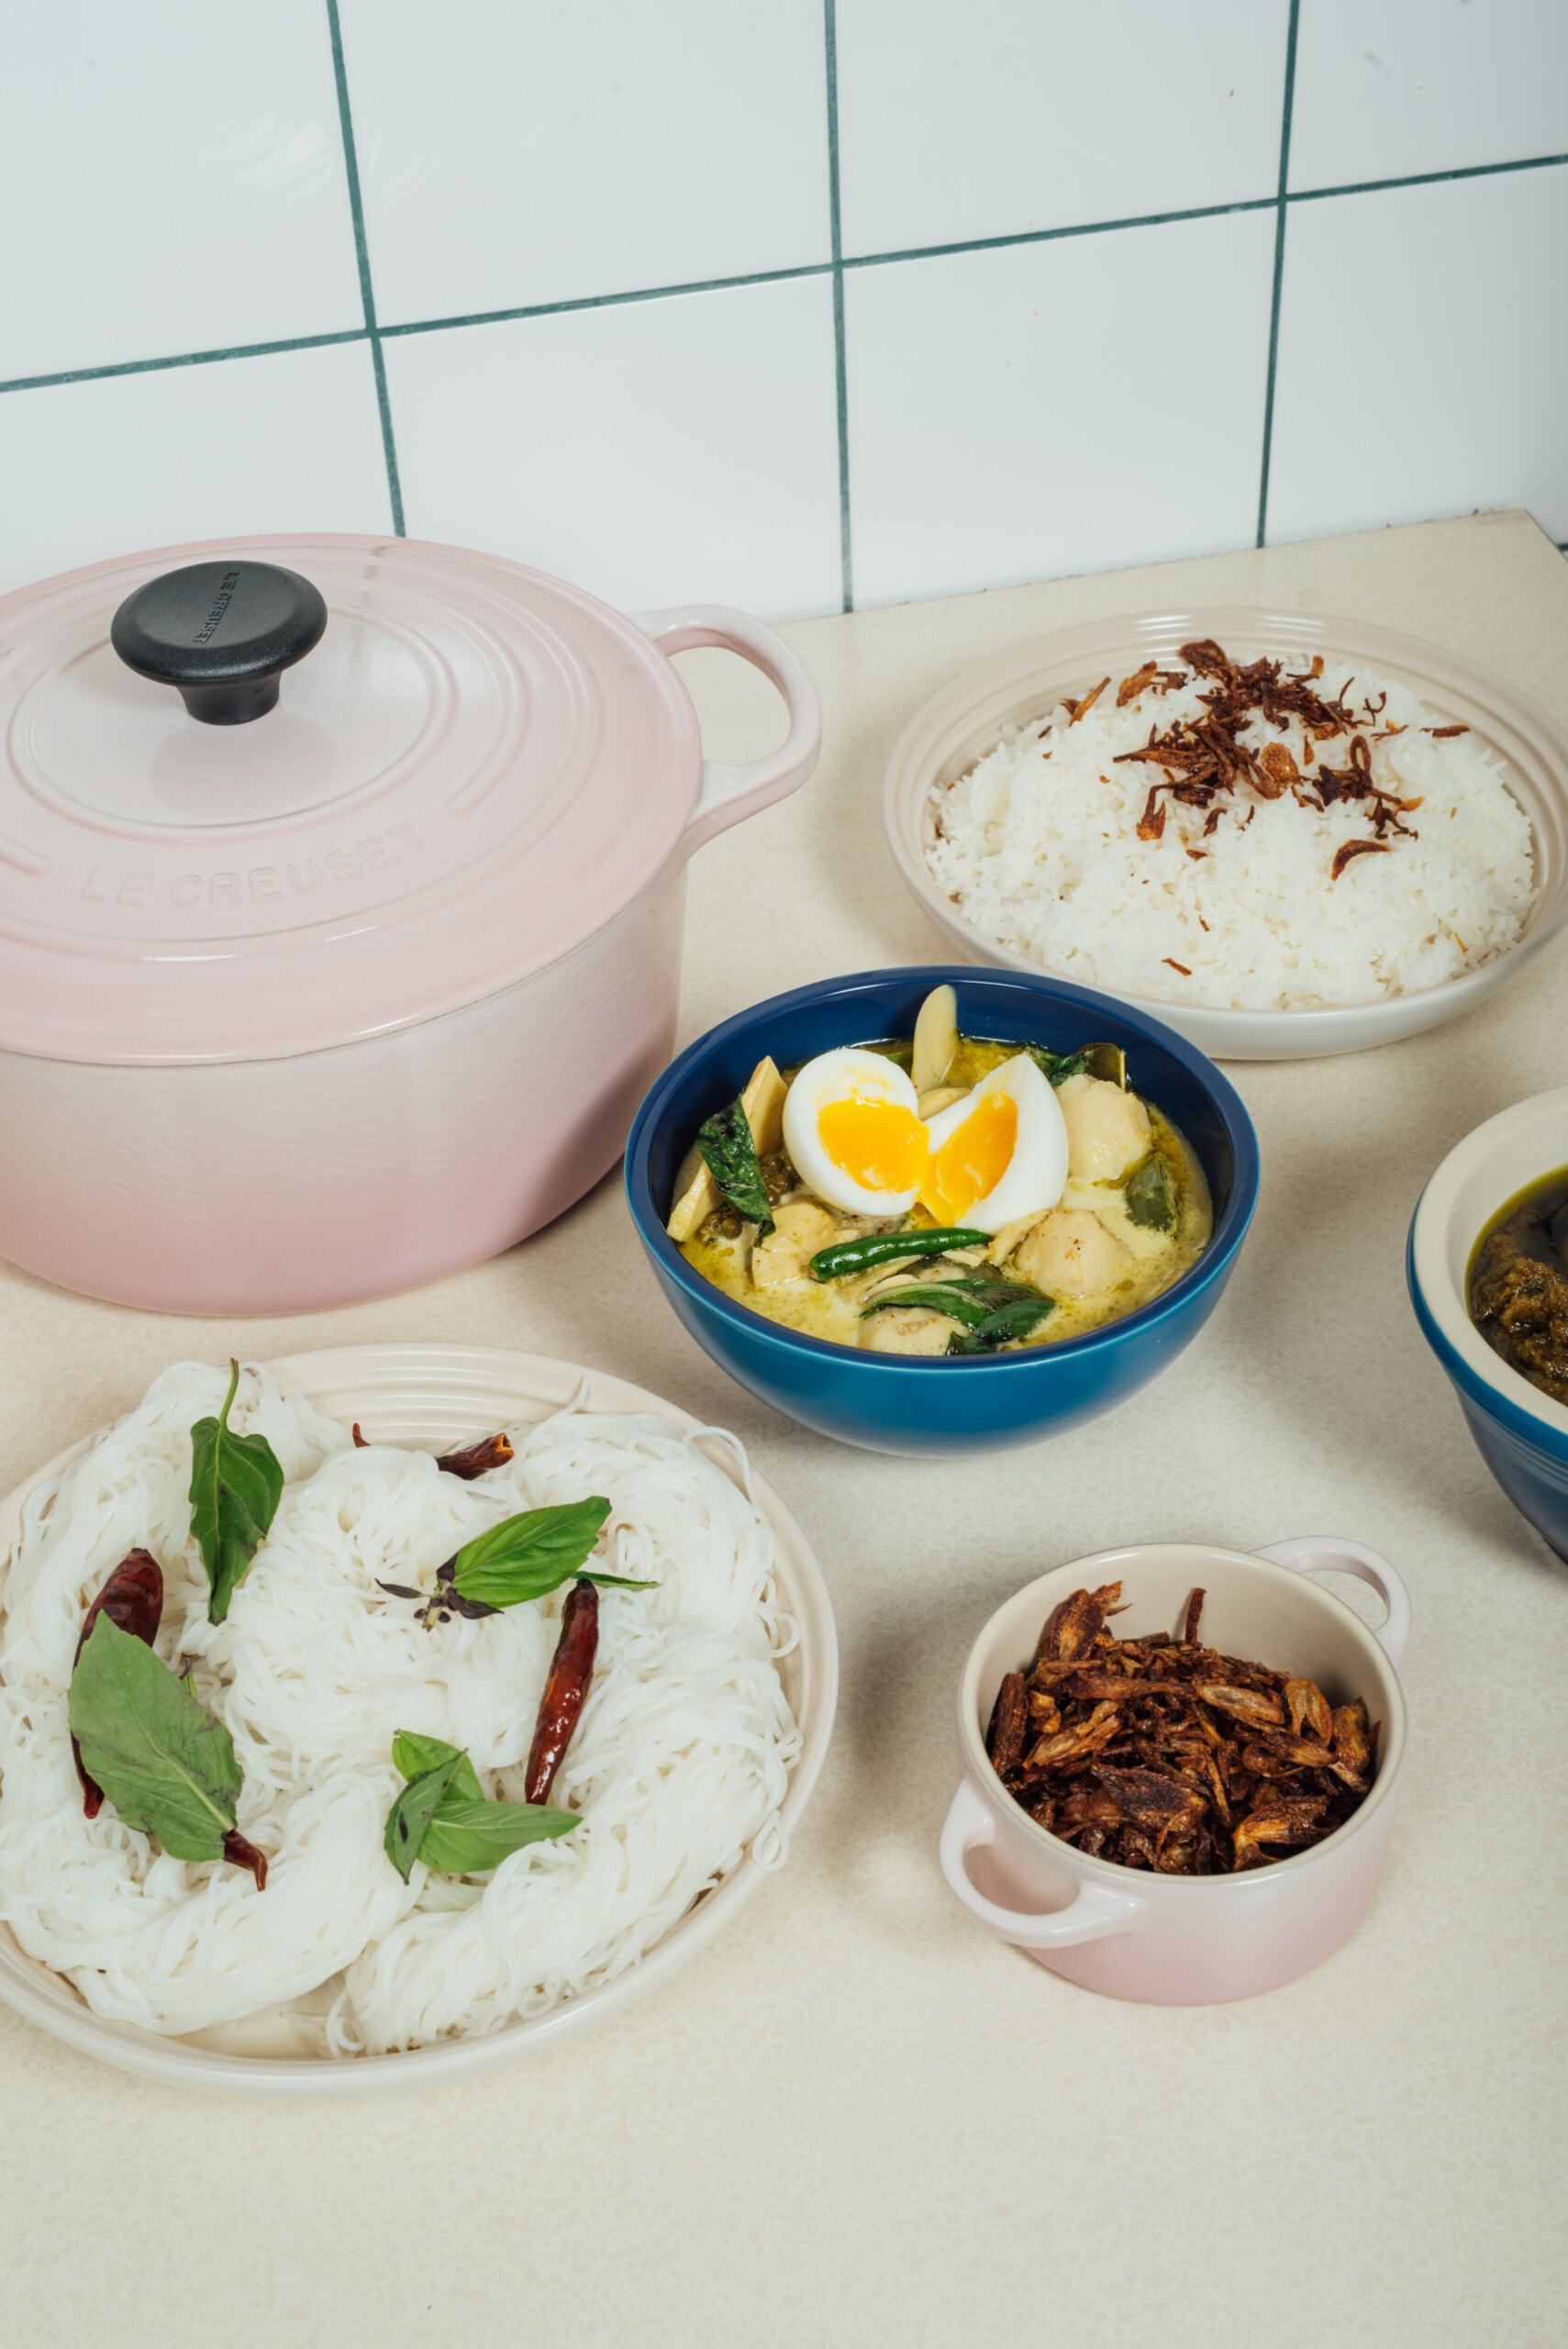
point(1089, 1916)
point(1318, 1553)
point(727, 794)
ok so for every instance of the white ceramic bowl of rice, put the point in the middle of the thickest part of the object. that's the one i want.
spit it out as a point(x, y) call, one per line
point(677, 1833)
point(1250, 945)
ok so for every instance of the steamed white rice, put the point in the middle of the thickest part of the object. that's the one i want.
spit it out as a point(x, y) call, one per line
point(1038, 847)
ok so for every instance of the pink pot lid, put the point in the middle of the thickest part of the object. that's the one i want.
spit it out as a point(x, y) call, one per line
point(473, 769)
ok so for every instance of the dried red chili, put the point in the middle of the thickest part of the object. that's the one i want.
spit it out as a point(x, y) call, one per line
point(491, 1452)
point(240, 1852)
point(132, 1598)
point(566, 1689)
point(1160, 1752)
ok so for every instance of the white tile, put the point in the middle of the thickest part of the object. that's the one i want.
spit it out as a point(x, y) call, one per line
point(171, 179)
point(291, 442)
point(1388, 87)
point(653, 452)
point(994, 118)
point(522, 152)
point(1423, 355)
point(1059, 407)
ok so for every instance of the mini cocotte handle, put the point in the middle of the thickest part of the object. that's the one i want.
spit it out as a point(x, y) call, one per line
point(727, 793)
point(1326, 1553)
point(1089, 1916)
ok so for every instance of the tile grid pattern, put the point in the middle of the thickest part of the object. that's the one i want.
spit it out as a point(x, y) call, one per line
point(374, 335)
point(361, 255)
point(1282, 211)
point(840, 379)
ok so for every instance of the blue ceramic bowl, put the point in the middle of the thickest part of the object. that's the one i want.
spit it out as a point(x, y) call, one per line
point(904, 1403)
point(1521, 1433)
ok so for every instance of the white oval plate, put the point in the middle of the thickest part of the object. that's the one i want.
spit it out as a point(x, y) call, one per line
point(437, 1396)
point(965, 720)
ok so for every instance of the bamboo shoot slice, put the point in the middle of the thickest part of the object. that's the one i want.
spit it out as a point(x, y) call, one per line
point(696, 1193)
point(936, 1040)
point(763, 1101)
point(1107, 1061)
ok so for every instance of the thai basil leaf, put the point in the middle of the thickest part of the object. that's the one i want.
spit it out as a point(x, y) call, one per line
point(414, 1755)
point(729, 1155)
point(1060, 1066)
point(237, 1481)
point(1015, 1320)
point(972, 1299)
point(162, 1759)
point(1014, 1317)
point(940, 1297)
point(410, 1816)
point(1149, 1198)
point(465, 1838)
point(442, 1817)
point(529, 1555)
point(1107, 1061)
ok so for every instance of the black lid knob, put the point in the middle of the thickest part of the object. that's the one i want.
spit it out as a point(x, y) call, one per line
point(221, 632)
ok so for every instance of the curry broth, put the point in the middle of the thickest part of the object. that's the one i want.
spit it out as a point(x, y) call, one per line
point(831, 1310)
point(1517, 1285)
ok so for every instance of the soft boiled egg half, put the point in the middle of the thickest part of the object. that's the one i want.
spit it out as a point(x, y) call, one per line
point(855, 1137)
point(998, 1153)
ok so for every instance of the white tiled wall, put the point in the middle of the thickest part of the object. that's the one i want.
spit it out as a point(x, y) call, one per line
point(780, 301)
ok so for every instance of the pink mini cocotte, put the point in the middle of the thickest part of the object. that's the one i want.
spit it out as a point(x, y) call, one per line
point(1186, 1941)
point(341, 888)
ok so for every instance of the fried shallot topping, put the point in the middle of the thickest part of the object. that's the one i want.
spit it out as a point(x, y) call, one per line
point(1077, 709)
point(1162, 1753)
point(1206, 764)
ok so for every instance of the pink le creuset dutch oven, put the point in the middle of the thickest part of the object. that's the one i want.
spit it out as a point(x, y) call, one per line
point(313, 993)
point(1186, 1941)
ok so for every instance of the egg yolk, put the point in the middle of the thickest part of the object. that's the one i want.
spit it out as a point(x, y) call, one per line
point(973, 1161)
point(877, 1145)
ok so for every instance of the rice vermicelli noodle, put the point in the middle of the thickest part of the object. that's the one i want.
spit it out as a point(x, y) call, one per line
point(679, 1762)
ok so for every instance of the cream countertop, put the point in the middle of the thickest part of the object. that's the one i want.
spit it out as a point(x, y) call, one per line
point(857, 2120)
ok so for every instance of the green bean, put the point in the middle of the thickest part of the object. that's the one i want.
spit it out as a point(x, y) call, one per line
point(887, 1248)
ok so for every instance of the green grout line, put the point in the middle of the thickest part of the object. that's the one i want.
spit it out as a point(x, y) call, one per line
point(1282, 201)
point(840, 375)
point(1054, 236)
point(1425, 179)
point(183, 359)
point(362, 251)
point(607, 301)
point(376, 334)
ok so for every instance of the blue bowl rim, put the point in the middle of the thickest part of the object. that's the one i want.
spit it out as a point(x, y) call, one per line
point(1212, 1266)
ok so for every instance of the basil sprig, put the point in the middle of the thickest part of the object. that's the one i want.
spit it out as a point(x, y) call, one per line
point(991, 1310)
point(237, 1481)
point(529, 1555)
point(524, 1557)
point(729, 1155)
point(442, 1817)
point(162, 1759)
